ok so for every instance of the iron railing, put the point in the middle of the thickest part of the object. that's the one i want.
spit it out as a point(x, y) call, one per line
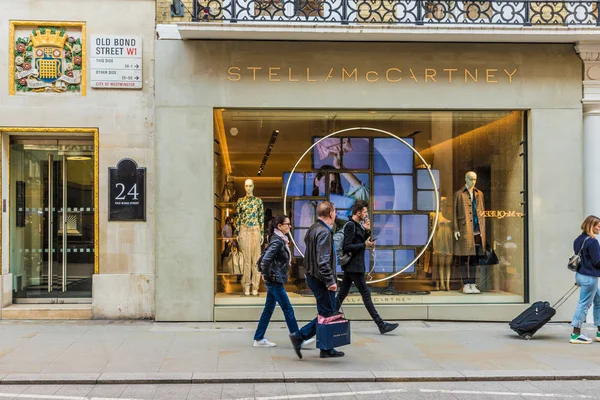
point(416, 12)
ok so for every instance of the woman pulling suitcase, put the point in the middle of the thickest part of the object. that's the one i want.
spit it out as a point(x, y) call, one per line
point(587, 279)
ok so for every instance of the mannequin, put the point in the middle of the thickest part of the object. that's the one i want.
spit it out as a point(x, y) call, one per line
point(250, 232)
point(469, 230)
point(442, 249)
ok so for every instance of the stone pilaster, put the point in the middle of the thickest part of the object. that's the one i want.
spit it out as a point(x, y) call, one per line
point(590, 54)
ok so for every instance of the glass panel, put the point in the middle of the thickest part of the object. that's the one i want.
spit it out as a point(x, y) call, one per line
point(52, 221)
point(36, 264)
point(79, 224)
point(368, 165)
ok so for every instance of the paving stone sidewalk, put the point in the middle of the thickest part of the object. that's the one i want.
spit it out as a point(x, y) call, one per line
point(142, 351)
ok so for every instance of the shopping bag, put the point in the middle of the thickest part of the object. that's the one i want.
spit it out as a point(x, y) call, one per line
point(332, 332)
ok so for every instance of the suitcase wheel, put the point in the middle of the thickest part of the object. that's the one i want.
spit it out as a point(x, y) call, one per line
point(527, 336)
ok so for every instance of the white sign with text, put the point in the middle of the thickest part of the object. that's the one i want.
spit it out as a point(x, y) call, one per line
point(116, 62)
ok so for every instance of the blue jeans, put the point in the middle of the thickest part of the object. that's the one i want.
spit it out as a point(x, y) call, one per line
point(589, 293)
point(276, 294)
point(326, 302)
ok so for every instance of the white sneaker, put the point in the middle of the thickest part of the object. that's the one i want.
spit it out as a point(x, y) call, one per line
point(255, 293)
point(580, 339)
point(467, 289)
point(263, 343)
point(308, 342)
point(246, 292)
point(474, 289)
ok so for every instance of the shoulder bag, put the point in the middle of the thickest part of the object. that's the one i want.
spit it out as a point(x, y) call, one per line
point(575, 261)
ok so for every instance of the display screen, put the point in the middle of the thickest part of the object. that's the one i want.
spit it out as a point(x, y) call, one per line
point(392, 156)
point(324, 151)
point(386, 228)
point(384, 261)
point(299, 239)
point(296, 187)
point(403, 258)
point(415, 229)
point(426, 200)
point(356, 153)
point(393, 192)
point(305, 213)
point(424, 180)
point(310, 183)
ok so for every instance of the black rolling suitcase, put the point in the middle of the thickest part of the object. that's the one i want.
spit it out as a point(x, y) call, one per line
point(537, 315)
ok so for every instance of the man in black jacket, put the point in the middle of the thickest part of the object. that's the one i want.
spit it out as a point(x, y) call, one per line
point(357, 238)
point(319, 261)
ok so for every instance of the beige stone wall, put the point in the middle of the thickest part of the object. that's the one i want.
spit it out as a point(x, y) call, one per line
point(163, 12)
point(125, 119)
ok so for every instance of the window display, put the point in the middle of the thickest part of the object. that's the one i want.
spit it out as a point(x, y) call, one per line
point(477, 162)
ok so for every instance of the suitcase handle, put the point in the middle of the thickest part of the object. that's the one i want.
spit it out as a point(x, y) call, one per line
point(566, 296)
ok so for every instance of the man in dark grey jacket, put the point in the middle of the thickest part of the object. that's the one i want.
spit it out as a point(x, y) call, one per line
point(319, 261)
point(357, 238)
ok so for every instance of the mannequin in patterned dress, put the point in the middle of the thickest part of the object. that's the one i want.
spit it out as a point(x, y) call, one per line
point(250, 233)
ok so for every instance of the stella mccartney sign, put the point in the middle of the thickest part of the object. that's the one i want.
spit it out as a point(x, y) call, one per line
point(391, 75)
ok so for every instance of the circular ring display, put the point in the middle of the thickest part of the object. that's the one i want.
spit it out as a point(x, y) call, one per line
point(435, 190)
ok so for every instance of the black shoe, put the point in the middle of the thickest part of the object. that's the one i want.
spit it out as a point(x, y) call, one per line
point(387, 327)
point(331, 353)
point(296, 344)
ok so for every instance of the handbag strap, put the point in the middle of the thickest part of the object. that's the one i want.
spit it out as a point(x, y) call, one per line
point(582, 245)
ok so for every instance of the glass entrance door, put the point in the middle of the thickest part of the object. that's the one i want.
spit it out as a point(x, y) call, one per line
point(52, 220)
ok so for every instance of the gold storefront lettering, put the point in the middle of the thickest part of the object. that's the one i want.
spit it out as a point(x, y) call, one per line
point(430, 74)
point(345, 73)
point(475, 78)
point(329, 75)
point(392, 74)
point(372, 72)
point(308, 76)
point(254, 69)
point(450, 70)
point(273, 74)
point(510, 75)
point(387, 75)
point(235, 74)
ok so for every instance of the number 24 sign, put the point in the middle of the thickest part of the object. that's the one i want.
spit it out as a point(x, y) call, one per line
point(127, 194)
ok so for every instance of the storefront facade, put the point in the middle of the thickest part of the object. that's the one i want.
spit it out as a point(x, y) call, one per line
point(231, 111)
point(60, 134)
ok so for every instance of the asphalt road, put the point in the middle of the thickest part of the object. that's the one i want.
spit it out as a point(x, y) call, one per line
point(289, 391)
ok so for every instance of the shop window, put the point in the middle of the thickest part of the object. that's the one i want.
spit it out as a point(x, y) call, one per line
point(398, 186)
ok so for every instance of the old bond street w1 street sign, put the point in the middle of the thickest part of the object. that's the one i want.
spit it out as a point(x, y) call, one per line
point(116, 62)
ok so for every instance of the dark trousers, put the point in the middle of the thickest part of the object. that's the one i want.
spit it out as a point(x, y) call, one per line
point(468, 264)
point(325, 306)
point(361, 284)
point(276, 294)
point(468, 268)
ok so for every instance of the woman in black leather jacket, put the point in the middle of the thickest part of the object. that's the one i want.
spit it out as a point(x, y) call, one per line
point(274, 266)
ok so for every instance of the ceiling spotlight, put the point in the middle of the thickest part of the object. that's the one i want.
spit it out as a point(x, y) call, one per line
point(234, 131)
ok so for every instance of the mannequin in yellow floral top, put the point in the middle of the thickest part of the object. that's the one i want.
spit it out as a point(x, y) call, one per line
point(250, 232)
